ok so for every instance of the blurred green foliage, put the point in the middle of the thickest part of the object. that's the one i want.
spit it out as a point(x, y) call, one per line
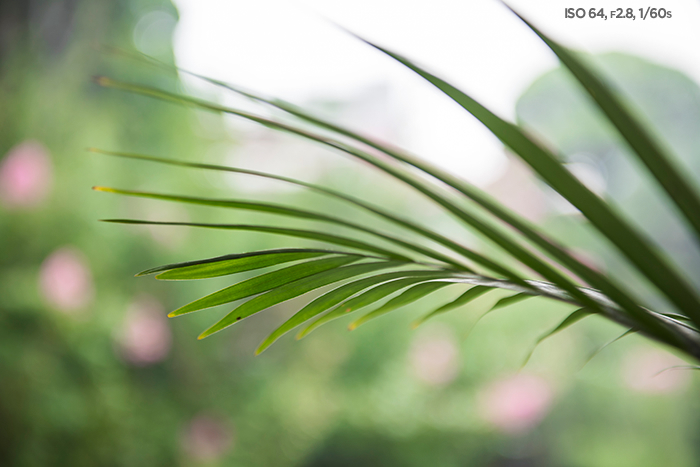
point(70, 394)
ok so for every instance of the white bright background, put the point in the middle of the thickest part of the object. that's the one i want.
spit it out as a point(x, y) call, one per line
point(292, 49)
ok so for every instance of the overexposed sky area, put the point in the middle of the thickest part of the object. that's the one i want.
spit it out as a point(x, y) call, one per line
point(292, 49)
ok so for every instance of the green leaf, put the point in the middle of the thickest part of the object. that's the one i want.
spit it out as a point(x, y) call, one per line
point(507, 301)
point(362, 300)
point(308, 234)
point(556, 251)
point(231, 264)
point(336, 296)
point(629, 332)
point(609, 222)
point(462, 300)
point(661, 165)
point(285, 211)
point(409, 296)
point(568, 321)
point(264, 282)
point(427, 233)
point(295, 289)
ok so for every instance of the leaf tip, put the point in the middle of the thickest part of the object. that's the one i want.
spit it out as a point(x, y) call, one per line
point(101, 80)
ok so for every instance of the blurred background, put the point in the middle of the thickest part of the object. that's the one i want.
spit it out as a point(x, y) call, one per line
point(93, 373)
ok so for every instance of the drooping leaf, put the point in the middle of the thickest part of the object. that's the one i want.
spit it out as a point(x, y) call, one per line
point(629, 332)
point(462, 300)
point(265, 282)
point(574, 317)
point(507, 301)
point(408, 296)
point(295, 289)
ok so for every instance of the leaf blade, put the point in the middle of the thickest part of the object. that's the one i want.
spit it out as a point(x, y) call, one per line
point(471, 294)
point(406, 297)
point(294, 289)
point(263, 283)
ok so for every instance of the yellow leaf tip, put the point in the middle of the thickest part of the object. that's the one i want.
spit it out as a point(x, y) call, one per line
point(101, 80)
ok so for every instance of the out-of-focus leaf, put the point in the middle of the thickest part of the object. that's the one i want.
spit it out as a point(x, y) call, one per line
point(299, 233)
point(629, 332)
point(294, 289)
point(463, 299)
point(568, 321)
point(507, 301)
point(265, 282)
point(607, 220)
point(661, 165)
point(408, 296)
point(286, 211)
point(425, 232)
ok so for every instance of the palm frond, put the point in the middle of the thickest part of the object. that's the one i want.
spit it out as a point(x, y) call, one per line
point(388, 278)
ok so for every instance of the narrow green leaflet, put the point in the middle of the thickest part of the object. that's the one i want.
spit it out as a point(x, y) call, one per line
point(609, 222)
point(265, 282)
point(574, 317)
point(298, 233)
point(409, 296)
point(660, 164)
point(295, 289)
point(463, 299)
point(232, 264)
point(507, 301)
point(366, 298)
point(629, 332)
point(504, 302)
point(427, 233)
point(336, 296)
point(285, 211)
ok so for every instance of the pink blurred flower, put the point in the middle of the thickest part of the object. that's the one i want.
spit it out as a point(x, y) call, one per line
point(145, 337)
point(207, 438)
point(641, 372)
point(516, 403)
point(435, 359)
point(65, 280)
point(25, 175)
